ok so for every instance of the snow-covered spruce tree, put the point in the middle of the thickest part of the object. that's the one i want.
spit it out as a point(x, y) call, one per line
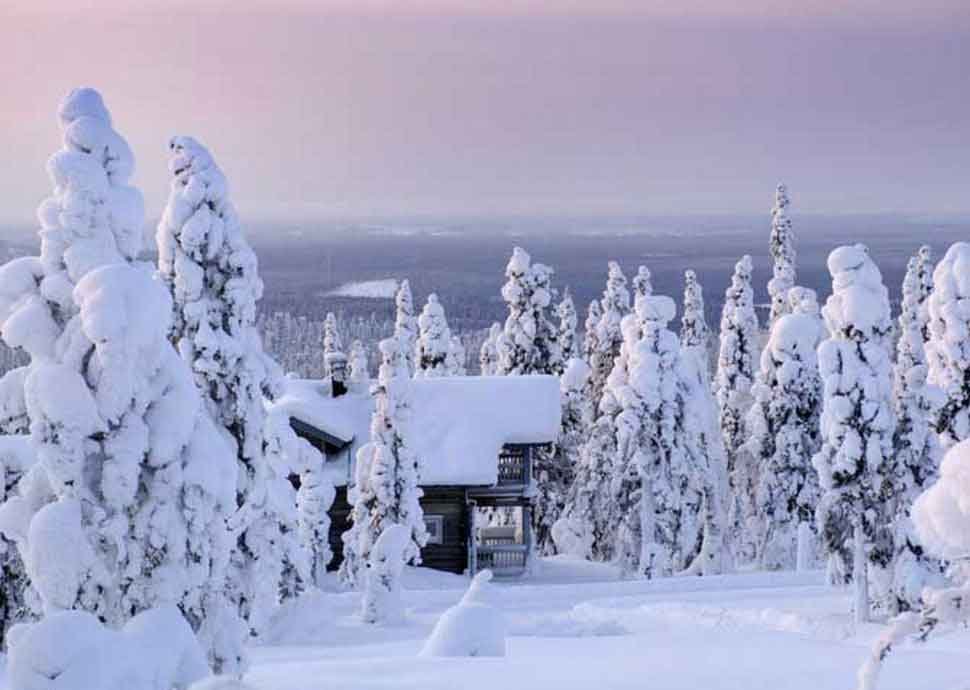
point(211, 271)
point(333, 346)
point(693, 326)
point(659, 480)
point(455, 362)
point(942, 525)
point(16, 457)
point(710, 460)
point(590, 344)
point(406, 323)
point(528, 344)
point(568, 322)
point(385, 490)
point(614, 305)
point(126, 508)
point(586, 529)
point(783, 424)
point(434, 341)
point(916, 458)
point(924, 281)
point(359, 378)
point(736, 364)
point(488, 355)
point(948, 349)
point(556, 469)
point(782, 255)
point(857, 423)
point(642, 284)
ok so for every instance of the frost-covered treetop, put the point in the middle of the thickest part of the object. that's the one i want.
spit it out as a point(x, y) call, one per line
point(781, 200)
point(576, 375)
point(616, 296)
point(94, 217)
point(803, 300)
point(693, 331)
point(859, 307)
point(657, 309)
point(642, 284)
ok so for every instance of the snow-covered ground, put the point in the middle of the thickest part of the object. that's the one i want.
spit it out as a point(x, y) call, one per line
point(574, 625)
point(370, 289)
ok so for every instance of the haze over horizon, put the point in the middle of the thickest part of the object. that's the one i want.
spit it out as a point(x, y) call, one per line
point(342, 109)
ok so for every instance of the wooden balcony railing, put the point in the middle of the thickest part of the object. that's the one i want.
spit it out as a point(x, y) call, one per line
point(503, 559)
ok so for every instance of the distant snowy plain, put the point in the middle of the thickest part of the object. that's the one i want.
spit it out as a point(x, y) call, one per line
point(576, 626)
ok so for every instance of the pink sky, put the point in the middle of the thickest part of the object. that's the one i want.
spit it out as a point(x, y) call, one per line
point(541, 108)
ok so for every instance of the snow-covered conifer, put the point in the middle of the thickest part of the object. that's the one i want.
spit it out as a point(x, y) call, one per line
point(455, 362)
point(529, 341)
point(16, 457)
point(211, 271)
point(642, 284)
point(406, 323)
point(783, 425)
point(556, 469)
point(137, 483)
point(359, 378)
point(693, 325)
point(334, 357)
point(736, 365)
point(658, 482)
point(593, 315)
point(614, 305)
point(709, 458)
point(782, 255)
point(948, 349)
point(568, 322)
point(857, 421)
point(434, 341)
point(385, 490)
point(913, 466)
point(488, 355)
point(585, 530)
point(381, 600)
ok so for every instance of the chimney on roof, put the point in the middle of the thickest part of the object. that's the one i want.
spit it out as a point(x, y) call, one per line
point(336, 363)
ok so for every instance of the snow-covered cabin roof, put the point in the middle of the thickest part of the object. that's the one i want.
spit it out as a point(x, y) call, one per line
point(458, 424)
point(344, 419)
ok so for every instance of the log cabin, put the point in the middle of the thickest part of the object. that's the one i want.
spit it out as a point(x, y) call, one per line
point(476, 439)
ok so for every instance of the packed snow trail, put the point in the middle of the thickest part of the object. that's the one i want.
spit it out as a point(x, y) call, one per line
point(576, 626)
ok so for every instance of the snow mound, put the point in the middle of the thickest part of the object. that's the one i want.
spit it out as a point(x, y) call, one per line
point(72, 650)
point(942, 512)
point(385, 288)
point(470, 628)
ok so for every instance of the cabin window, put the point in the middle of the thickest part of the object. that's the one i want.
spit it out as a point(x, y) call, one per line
point(435, 526)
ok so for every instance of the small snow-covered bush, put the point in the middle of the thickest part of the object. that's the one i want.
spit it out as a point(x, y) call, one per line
point(472, 627)
point(72, 650)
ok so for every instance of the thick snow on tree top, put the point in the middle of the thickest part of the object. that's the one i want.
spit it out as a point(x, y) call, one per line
point(458, 424)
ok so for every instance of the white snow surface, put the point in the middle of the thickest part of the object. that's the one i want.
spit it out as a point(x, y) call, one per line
point(576, 626)
point(385, 288)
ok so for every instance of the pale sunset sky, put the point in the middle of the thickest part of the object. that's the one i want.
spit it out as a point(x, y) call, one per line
point(380, 108)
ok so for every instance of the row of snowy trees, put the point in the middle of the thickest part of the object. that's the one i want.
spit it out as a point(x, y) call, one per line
point(141, 466)
point(809, 440)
